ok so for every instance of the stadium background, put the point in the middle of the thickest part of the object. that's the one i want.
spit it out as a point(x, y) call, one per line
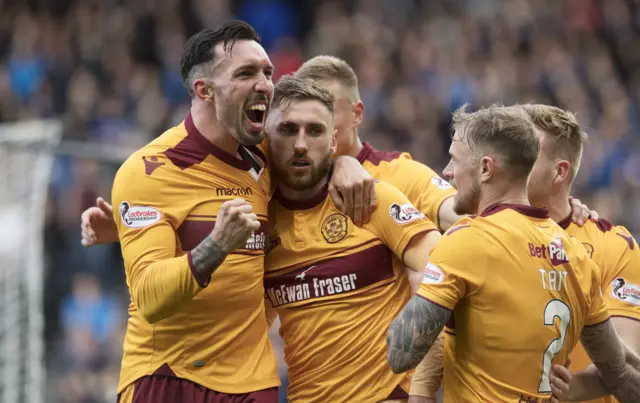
point(110, 70)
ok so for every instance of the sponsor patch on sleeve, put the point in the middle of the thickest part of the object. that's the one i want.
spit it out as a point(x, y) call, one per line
point(138, 216)
point(441, 183)
point(625, 292)
point(404, 213)
point(432, 274)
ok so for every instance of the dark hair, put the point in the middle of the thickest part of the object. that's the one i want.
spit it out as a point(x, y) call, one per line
point(290, 89)
point(200, 47)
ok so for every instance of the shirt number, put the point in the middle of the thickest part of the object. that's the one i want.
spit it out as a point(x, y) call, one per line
point(555, 308)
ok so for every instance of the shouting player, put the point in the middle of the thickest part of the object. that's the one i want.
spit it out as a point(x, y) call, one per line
point(335, 286)
point(501, 279)
point(194, 251)
point(612, 248)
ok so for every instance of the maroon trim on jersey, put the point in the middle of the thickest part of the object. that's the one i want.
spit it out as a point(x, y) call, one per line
point(152, 389)
point(529, 211)
point(331, 277)
point(192, 232)
point(434, 303)
point(194, 148)
point(164, 370)
point(604, 225)
point(368, 153)
point(302, 204)
point(565, 222)
point(398, 394)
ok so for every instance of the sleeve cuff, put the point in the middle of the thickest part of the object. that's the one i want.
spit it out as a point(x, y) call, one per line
point(407, 238)
point(436, 300)
point(203, 282)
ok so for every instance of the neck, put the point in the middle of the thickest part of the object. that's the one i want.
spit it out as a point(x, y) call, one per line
point(306, 194)
point(211, 129)
point(558, 204)
point(507, 195)
point(356, 146)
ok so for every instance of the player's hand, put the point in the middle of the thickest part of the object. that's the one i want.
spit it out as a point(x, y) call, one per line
point(421, 399)
point(235, 223)
point(97, 225)
point(352, 190)
point(580, 213)
point(560, 380)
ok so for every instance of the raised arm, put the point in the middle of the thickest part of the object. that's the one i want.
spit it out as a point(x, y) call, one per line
point(413, 332)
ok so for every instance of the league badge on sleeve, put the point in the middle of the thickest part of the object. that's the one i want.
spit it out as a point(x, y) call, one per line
point(625, 292)
point(138, 216)
point(432, 274)
point(405, 213)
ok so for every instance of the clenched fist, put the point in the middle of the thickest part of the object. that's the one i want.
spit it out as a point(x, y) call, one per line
point(235, 223)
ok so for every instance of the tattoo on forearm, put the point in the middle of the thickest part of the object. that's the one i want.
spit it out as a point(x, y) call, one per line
point(619, 368)
point(413, 332)
point(206, 257)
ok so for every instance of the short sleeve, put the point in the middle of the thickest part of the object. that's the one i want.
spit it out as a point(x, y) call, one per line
point(396, 221)
point(145, 215)
point(457, 266)
point(424, 188)
point(621, 274)
point(597, 312)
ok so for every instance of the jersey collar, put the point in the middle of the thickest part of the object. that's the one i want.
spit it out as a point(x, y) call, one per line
point(530, 211)
point(205, 145)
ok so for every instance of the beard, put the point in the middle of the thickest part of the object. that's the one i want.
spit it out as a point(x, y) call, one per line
point(284, 175)
point(467, 202)
point(232, 119)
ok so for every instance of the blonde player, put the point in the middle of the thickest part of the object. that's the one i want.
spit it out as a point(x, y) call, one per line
point(514, 290)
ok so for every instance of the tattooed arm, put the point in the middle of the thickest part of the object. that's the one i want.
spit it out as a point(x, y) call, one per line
point(617, 365)
point(413, 332)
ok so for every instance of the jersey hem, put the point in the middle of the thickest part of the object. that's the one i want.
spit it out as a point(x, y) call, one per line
point(597, 322)
point(242, 388)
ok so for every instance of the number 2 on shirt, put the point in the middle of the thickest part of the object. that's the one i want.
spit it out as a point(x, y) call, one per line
point(554, 308)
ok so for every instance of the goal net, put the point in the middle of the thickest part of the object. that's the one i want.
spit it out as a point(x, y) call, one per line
point(26, 160)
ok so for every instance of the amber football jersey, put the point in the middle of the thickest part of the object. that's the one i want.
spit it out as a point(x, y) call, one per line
point(422, 186)
point(167, 195)
point(617, 255)
point(337, 287)
point(521, 290)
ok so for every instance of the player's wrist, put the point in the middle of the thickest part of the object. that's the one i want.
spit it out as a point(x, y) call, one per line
point(218, 243)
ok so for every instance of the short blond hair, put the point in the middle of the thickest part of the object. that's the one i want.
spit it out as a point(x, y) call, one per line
point(290, 89)
point(504, 130)
point(324, 67)
point(563, 129)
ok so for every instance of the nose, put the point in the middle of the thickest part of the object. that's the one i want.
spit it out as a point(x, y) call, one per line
point(300, 145)
point(448, 171)
point(264, 85)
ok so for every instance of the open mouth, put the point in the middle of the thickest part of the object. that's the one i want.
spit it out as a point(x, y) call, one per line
point(256, 113)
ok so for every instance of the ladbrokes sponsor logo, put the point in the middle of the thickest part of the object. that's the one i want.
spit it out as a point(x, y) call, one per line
point(405, 213)
point(233, 192)
point(432, 274)
point(138, 216)
point(554, 252)
point(622, 291)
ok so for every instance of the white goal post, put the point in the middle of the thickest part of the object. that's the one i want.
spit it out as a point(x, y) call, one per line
point(26, 160)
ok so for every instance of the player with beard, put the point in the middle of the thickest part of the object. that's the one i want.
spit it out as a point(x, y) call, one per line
point(335, 286)
point(194, 251)
point(499, 280)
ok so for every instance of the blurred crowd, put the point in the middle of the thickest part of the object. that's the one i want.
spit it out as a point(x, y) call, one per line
point(110, 70)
